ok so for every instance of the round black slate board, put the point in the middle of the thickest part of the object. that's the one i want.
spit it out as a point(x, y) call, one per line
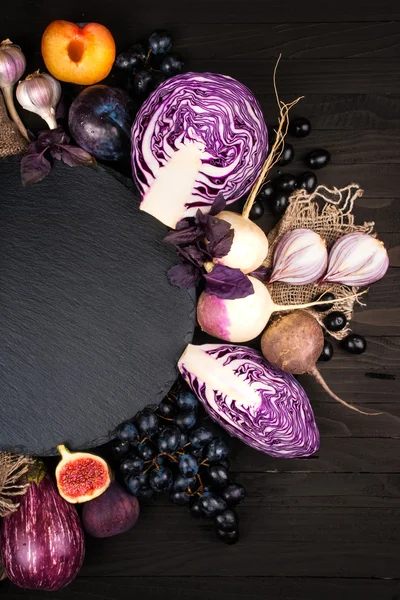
point(90, 328)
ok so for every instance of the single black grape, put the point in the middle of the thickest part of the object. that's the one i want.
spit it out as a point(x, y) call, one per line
point(225, 463)
point(267, 192)
point(227, 521)
point(279, 203)
point(147, 450)
point(160, 42)
point(168, 440)
point(127, 432)
point(143, 82)
point(139, 51)
point(200, 437)
point(119, 449)
point(211, 504)
point(300, 127)
point(172, 64)
point(182, 483)
point(356, 344)
point(129, 62)
point(256, 211)
point(188, 465)
point(233, 494)
point(307, 181)
point(148, 422)
point(185, 420)
point(135, 483)
point(216, 450)
point(335, 321)
point(228, 537)
point(197, 452)
point(318, 159)
point(218, 476)
point(195, 509)
point(187, 401)
point(328, 296)
point(147, 494)
point(285, 183)
point(287, 155)
point(327, 352)
point(167, 409)
point(180, 498)
point(160, 479)
point(183, 439)
point(133, 465)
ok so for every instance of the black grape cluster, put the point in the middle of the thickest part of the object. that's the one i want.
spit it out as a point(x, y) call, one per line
point(166, 449)
point(144, 66)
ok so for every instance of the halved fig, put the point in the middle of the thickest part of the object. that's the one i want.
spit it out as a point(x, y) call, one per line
point(81, 476)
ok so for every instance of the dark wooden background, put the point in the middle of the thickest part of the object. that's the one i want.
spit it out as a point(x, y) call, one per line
point(327, 527)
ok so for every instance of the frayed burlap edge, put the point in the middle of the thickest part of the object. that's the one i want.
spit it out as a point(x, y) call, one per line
point(328, 212)
point(11, 141)
point(13, 469)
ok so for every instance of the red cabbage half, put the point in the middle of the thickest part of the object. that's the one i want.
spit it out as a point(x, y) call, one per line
point(198, 135)
point(250, 398)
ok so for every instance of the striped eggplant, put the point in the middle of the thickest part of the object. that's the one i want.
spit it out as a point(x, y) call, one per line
point(42, 543)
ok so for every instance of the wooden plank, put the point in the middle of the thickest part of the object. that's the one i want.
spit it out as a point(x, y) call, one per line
point(340, 111)
point(306, 76)
point(230, 587)
point(341, 455)
point(292, 40)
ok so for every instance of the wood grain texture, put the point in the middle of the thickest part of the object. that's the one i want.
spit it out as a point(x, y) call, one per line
point(325, 527)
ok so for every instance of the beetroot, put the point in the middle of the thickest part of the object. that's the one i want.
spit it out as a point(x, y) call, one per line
point(293, 343)
point(114, 512)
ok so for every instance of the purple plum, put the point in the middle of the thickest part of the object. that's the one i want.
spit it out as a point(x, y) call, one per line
point(100, 121)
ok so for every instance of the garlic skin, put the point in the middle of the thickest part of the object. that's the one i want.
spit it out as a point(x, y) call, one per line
point(357, 259)
point(12, 63)
point(300, 257)
point(40, 93)
point(12, 67)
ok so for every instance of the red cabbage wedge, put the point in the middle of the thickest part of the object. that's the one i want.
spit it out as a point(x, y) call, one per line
point(42, 543)
point(250, 398)
point(198, 135)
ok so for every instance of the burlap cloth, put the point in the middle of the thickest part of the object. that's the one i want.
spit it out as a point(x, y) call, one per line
point(11, 141)
point(329, 213)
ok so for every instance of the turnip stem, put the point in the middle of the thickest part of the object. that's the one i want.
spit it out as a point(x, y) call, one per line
point(315, 373)
point(277, 148)
point(278, 307)
point(9, 100)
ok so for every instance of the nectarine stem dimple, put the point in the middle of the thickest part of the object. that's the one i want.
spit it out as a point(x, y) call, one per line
point(76, 49)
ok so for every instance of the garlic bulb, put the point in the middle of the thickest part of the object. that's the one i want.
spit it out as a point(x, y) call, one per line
point(12, 66)
point(300, 257)
point(357, 259)
point(40, 93)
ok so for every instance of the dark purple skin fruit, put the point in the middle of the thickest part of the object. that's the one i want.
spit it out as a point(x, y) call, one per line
point(100, 121)
point(114, 512)
point(42, 543)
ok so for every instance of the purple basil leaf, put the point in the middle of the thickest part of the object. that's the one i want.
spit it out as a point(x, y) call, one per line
point(56, 152)
point(218, 205)
point(228, 283)
point(183, 236)
point(51, 136)
point(216, 229)
point(262, 273)
point(221, 248)
point(185, 223)
point(184, 275)
point(193, 254)
point(34, 168)
point(76, 157)
point(201, 219)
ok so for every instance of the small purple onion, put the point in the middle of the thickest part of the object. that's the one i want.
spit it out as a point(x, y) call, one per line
point(300, 257)
point(357, 259)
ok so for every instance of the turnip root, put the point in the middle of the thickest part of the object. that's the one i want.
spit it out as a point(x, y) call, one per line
point(249, 246)
point(241, 319)
point(293, 343)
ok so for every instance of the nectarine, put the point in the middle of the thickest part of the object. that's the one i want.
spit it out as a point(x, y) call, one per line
point(78, 54)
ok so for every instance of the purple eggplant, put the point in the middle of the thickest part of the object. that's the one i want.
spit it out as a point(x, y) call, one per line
point(42, 543)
